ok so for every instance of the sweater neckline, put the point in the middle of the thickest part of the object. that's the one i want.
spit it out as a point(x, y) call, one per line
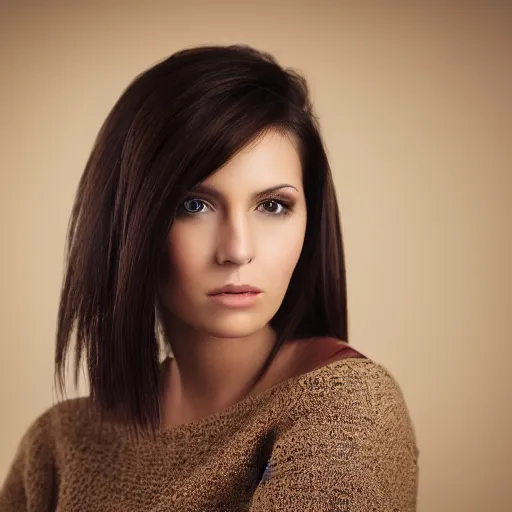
point(248, 401)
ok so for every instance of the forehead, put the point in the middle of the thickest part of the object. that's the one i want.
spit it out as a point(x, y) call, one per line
point(272, 158)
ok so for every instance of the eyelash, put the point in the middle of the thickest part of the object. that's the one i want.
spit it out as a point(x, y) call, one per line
point(284, 204)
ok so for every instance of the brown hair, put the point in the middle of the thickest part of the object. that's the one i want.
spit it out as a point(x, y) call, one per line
point(176, 124)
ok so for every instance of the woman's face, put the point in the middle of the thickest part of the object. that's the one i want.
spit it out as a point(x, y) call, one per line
point(243, 225)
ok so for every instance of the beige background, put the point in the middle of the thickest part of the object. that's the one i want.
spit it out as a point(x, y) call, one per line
point(415, 106)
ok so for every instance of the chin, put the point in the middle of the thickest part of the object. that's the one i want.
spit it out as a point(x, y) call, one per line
point(234, 327)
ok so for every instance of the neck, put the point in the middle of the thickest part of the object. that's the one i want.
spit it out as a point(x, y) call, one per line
point(209, 373)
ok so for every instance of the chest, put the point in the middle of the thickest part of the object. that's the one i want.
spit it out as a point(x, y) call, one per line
point(187, 473)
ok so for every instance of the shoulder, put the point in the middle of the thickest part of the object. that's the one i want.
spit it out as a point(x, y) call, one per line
point(356, 386)
point(31, 476)
point(312, 353)
point(335, 367)
point(66, 412)
point(63, 430)
point(57, 421)
point(354, 400)
point(342, 381)
point(329, 365)
point(348, 437)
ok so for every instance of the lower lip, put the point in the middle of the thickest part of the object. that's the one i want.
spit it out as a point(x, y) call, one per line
point(236, 300)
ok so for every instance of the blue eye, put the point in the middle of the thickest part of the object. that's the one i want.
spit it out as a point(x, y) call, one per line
point(193, 205)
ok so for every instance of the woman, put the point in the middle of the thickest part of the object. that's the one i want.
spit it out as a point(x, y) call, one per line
point(206, 224)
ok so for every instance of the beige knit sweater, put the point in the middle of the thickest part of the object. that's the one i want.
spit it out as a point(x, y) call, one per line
point(338, 438)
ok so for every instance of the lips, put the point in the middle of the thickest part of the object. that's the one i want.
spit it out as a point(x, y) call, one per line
point(235, 289)
point(236, 297)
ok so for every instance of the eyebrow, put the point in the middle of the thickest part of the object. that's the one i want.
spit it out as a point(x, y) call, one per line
point(205, 189)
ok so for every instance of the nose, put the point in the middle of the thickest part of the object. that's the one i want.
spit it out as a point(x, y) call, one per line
point(234, 241)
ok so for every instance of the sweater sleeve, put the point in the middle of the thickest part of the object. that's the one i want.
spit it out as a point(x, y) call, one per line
point(29, 484)
point(352, 449)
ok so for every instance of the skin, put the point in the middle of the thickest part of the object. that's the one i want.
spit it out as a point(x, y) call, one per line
point(230, 236)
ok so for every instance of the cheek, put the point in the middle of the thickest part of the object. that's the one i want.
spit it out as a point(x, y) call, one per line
point(187, 257)
point(281, 256)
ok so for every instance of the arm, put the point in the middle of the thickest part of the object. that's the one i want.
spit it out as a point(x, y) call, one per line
point(29, 483)
point(352, 449)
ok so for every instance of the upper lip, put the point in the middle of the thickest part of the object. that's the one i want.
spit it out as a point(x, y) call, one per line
point(231, 288)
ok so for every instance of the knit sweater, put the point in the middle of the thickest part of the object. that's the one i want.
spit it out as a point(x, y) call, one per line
point(337, 438)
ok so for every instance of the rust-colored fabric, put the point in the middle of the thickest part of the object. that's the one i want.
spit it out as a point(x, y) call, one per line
point(337, 438)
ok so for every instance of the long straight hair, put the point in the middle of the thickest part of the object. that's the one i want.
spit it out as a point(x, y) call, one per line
point(175, 125)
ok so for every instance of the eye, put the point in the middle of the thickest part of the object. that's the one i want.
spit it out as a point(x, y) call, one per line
point(193, 205)
point(274, 207)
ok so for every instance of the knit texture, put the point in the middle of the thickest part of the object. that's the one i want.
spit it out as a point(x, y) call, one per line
point(338, 438)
